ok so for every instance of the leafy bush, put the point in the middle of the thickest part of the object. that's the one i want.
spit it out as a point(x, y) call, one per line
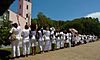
point(4, 32)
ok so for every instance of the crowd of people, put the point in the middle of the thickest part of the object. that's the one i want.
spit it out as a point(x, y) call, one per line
point(47, 38)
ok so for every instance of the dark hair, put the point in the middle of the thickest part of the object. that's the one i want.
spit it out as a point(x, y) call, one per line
point(15, 25)
point(33, 26)
point(65, 31)
point(26, 27)
point(39, 28)
point(44, 27)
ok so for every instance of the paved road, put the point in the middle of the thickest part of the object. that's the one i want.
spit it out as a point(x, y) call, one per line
point(90, 51)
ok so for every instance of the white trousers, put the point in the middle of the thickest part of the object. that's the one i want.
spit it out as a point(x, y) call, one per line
point(87, 41)
point(26, 47)
point(41, 45)
point(15, 48)
point(58, 43)
point(47, 45)
point(69, 42)
point(82, 41)
point(61, 43)
point(50, 45)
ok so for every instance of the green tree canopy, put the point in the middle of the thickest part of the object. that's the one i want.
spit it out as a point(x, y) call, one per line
point(4, 32)
point(84, 25)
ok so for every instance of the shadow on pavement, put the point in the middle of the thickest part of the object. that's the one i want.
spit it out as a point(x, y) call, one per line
point(5, 55)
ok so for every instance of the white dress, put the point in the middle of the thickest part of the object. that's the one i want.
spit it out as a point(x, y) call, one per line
point(62, 39)
point(69, 39)
point(53, 37)
point(47, 40)
point(41, 40)
point(58, 40)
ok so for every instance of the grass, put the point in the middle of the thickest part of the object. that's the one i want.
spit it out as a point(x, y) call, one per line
point(6, 53)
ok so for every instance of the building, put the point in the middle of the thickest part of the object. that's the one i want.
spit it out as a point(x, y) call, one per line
point(23, 15)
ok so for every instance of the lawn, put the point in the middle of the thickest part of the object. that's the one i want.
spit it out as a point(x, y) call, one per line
point(5, 53)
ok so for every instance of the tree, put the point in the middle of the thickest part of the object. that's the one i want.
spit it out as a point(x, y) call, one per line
point(4, 32)
point(83, 25)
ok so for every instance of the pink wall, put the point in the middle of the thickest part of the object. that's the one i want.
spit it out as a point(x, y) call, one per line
point(25, 3)
point(13, 17)
point(23, 10)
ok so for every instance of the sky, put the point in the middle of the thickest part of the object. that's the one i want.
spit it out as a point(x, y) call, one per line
point(64, 9)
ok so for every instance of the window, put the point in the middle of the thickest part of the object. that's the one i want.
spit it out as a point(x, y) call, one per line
point(26, 15)
point(20, 7)
point(27, 7)
point(28, 0)
point(19, 14)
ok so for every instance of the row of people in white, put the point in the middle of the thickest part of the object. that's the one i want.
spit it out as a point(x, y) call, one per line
point(50, 37)
point(86, 38)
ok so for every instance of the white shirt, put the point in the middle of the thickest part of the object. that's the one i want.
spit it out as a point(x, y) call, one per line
point(40, 36)
point(53, 36)
point(47, 34)
point(57, 33)
point(25, 35)
point(52, 33)
point(33, 34)
point(16, 31)
point(68, 35)
point(62, 35)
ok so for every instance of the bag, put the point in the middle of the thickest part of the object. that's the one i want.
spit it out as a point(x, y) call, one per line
point(13, 36)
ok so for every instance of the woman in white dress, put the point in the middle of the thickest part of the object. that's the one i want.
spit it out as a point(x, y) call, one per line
point(69, 38)
point(47, 39)
point(26, 40)
point(40, 39)
point(58, 38)
point(52, 38)
point(61, 39)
